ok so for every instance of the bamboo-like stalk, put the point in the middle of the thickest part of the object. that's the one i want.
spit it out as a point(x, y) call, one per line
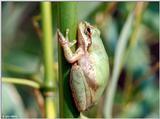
point(47, 44)
point(67, 18)
point(49, 80)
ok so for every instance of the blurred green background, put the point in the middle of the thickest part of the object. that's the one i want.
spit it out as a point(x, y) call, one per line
point(138, 85)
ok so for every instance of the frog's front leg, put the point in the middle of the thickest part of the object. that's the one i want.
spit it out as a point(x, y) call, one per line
point(69, 55)
point(82, 94)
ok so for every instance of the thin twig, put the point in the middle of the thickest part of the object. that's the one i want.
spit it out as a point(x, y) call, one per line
point(21, 81)
point(36, 26)
point(40, 101)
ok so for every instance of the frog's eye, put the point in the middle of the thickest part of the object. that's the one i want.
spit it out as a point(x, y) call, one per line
point(88, 34)
point(87, 31)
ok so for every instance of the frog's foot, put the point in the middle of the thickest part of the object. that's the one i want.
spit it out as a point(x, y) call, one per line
point(62, 39)
point(67, 32)
point(72, 42)
point(65, 40)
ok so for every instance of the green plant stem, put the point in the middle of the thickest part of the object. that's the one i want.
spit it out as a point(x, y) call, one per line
point(47, 44)
point(121, 45)
point(67, 18)
point(21, 81)
point(50, 108)
point(49, 80)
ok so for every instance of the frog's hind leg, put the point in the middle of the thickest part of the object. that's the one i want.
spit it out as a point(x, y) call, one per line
point(79, 87)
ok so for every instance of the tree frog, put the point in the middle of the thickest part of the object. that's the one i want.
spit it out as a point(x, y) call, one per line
point(90, 66)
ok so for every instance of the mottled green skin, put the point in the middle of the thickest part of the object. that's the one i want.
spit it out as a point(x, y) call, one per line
point(98, 54)
point(84, 95)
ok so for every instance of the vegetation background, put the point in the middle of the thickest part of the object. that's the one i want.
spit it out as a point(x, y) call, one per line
point(137, 89)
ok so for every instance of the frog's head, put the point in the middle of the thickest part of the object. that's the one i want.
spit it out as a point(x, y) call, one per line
point(85, 31)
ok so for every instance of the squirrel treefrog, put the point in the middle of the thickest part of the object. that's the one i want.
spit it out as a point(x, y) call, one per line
point(90, 66)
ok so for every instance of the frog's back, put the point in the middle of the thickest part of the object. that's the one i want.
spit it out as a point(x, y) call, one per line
point(99, 57)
